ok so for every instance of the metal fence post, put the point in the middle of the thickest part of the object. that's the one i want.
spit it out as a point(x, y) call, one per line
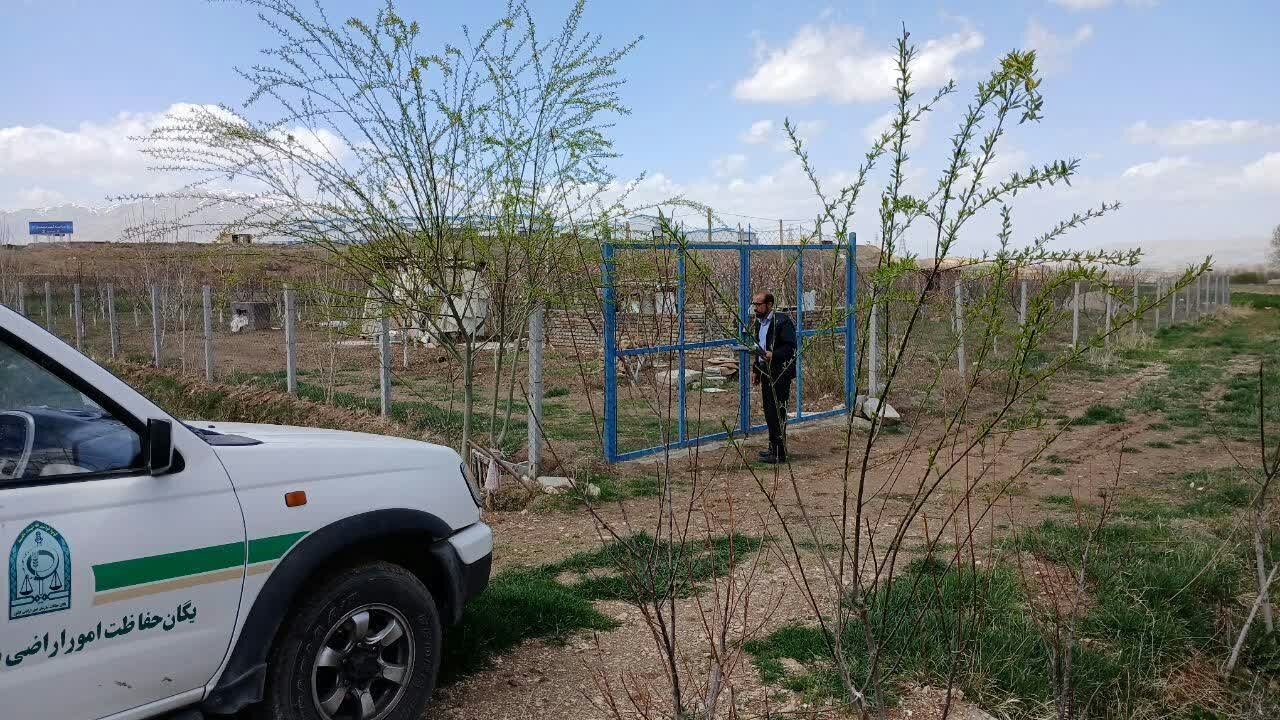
point(958, 325)
point(48, 307)
point(22, 299)
point(290, 344)
point(1075, 315)
point(207, 302)
point(155, 324)
point(536, 320)
point(113, 329)
point(77, 318)
point(384, 363)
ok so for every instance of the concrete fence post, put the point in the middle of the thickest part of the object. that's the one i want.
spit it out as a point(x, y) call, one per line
point(961, 363)
point(113, 327)
point(1106, 332)
point(1156, 304)
point(384, 363)
point(1075, 315)
point(1173, 305)
point(77, 316)
point(290, 344)
point(155, 324)
point(206, 298)
point(22, 299)
point(48, 307)
point(1022, 305)
point(537, 321)
point(873, 350)
point(1135, 305)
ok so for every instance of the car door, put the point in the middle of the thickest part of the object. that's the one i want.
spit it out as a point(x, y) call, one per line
point(122, 586)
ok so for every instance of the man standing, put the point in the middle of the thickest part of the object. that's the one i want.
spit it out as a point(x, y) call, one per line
point(773, 370)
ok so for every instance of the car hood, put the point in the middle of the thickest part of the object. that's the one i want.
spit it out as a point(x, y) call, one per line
point(307, 437)
point(343, 473)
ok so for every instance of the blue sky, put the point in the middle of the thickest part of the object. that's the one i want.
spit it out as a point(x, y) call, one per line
point(1170, 104)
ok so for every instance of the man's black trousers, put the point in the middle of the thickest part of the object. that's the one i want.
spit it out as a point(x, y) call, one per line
point(775, 395)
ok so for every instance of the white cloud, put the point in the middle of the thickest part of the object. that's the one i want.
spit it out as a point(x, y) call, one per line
point(731, 164)
point(877, 127)
point(1099, 4)
point(38, 197)
point(1208, 131)
point(837, 62)
point(1262, 174)
point(1156, 168)
point(42, 165)
point(1054, 50)
point(759, 132)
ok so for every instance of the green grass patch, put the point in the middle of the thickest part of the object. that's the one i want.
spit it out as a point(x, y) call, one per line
point(1051, 470)
point(1060, 460)
point(1059, 500)
point(1159, 444)
point(1101, 413)
point(1257, 301)
point(612, 489)
point(537, 603)
point(1160, 426)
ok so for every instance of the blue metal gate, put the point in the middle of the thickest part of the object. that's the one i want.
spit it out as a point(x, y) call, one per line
point(848, 328)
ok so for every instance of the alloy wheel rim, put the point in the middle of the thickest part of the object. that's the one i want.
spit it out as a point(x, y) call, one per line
point(363, 666)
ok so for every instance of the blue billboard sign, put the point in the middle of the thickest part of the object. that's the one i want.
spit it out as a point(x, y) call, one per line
point(60, 227)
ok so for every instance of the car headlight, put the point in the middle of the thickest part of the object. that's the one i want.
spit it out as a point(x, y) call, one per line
point(472, 485)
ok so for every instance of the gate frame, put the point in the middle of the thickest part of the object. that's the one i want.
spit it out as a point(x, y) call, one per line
point(611, 352)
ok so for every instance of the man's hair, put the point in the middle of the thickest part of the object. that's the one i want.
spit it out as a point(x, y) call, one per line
point(768, 297)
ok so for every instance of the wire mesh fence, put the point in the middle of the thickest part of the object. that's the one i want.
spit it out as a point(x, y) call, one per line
point(320, 336)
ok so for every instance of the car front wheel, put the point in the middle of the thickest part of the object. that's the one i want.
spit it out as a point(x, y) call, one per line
point(364, 645)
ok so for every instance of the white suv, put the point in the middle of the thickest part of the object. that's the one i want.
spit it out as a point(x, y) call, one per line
point(157, 566)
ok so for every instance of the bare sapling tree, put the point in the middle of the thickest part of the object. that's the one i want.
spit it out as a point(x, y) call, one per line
point(423, 176)
point(1261, 515)
point(951, 466)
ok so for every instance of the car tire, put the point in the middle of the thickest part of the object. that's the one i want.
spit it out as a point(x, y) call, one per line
point(339, 656)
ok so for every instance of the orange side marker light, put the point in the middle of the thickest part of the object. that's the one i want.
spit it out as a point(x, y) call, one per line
point(295, 498)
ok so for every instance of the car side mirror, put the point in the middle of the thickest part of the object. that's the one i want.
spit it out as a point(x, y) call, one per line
point(159, 446)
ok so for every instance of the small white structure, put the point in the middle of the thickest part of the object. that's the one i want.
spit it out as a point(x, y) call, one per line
point(464, 311)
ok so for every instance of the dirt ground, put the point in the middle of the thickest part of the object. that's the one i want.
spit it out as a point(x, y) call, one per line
point(541, 680)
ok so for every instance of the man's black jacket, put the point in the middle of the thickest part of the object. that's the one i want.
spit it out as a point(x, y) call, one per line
point(781, 340)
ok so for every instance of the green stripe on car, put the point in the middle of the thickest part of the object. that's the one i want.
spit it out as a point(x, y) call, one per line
point(155, 568)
